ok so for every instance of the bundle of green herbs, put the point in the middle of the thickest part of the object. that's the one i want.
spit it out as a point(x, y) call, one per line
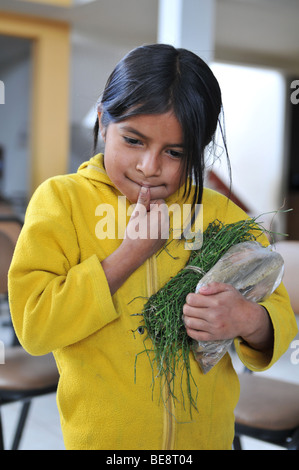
point(162, 313)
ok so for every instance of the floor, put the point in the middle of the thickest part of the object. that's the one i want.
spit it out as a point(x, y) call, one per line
point(43, 431)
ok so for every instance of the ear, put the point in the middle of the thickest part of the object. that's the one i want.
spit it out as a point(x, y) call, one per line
point(101, 127)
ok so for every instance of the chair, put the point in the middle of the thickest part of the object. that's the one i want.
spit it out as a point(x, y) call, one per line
point(268, 409)
point(22, 376)
point(6, 252)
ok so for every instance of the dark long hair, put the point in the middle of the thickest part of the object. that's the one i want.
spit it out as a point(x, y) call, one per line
point(158, 78)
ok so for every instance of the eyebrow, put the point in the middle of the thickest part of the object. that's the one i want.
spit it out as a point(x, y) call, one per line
point(142, 136)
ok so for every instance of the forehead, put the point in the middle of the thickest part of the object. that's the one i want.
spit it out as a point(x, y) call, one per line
point(161, 126)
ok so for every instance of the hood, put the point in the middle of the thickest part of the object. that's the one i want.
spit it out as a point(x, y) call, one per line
point(94, 170)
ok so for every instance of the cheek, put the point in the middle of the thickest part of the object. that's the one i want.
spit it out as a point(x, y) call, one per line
point(120, 160)
point(113, 164)
point(175, 177)
point(110, 168)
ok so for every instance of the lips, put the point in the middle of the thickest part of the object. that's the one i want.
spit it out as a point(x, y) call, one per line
point(156, 191)
point(144, 183)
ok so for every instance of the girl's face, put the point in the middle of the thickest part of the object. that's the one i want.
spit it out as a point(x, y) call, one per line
point(145, 150)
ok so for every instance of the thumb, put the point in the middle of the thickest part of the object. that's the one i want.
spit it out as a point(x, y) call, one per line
point(212, 288)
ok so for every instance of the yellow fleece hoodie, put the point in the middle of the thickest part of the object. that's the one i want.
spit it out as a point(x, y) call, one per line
point(61, 303)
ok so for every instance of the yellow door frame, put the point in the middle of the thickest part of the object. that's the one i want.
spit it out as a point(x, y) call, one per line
point(49, 126)
point(57, 3)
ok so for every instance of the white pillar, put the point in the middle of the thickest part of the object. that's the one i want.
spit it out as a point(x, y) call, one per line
point(188, 24)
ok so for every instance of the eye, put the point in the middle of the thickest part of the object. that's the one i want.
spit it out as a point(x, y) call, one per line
point(175, 154)
point(132, 141)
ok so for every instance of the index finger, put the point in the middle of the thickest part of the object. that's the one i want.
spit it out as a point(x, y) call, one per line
point(143, 200)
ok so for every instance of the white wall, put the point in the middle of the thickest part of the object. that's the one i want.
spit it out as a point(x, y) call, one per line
point(93, 58)
point(254, 107)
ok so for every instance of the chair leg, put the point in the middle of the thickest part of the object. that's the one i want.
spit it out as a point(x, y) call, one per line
point(21, 424)
point(1, 434)
point(294, 443)
point(237, 443)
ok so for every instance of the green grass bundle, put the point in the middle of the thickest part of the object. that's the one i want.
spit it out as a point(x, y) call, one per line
point(162, 313)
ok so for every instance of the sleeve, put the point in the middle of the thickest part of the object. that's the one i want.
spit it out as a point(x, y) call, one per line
point(284, 327)
point(55, 299)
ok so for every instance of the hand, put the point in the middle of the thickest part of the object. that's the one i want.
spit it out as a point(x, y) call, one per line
point(145, 234)
point(220, 312)
point(148, 227)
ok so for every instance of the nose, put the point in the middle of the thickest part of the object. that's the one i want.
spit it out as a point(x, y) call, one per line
point(150, 164)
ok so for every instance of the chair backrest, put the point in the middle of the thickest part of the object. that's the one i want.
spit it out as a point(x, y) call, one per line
point(289, 250)
point(6, 251)
point(11, 225)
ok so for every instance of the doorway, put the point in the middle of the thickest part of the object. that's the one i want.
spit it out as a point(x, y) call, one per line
point(15, 112)
point(48, 71)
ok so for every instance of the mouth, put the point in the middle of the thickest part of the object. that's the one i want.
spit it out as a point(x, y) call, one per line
point(145, 184)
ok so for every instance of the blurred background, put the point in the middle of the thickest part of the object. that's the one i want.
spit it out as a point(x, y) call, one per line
point(55, 58)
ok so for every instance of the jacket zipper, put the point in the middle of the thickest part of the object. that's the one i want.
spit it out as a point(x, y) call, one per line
point(169, 423)
point(168, 420)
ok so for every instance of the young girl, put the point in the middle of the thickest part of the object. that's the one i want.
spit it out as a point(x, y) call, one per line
point(72, 290)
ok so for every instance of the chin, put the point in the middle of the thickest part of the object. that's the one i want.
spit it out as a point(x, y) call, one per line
point(132, 198)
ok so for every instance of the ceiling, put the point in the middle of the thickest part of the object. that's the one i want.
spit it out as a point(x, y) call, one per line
point(264, 32)
point(110, 17)
point(282, 3)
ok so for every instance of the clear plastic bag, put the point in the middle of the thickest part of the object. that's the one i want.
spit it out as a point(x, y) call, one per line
point(255, 271)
